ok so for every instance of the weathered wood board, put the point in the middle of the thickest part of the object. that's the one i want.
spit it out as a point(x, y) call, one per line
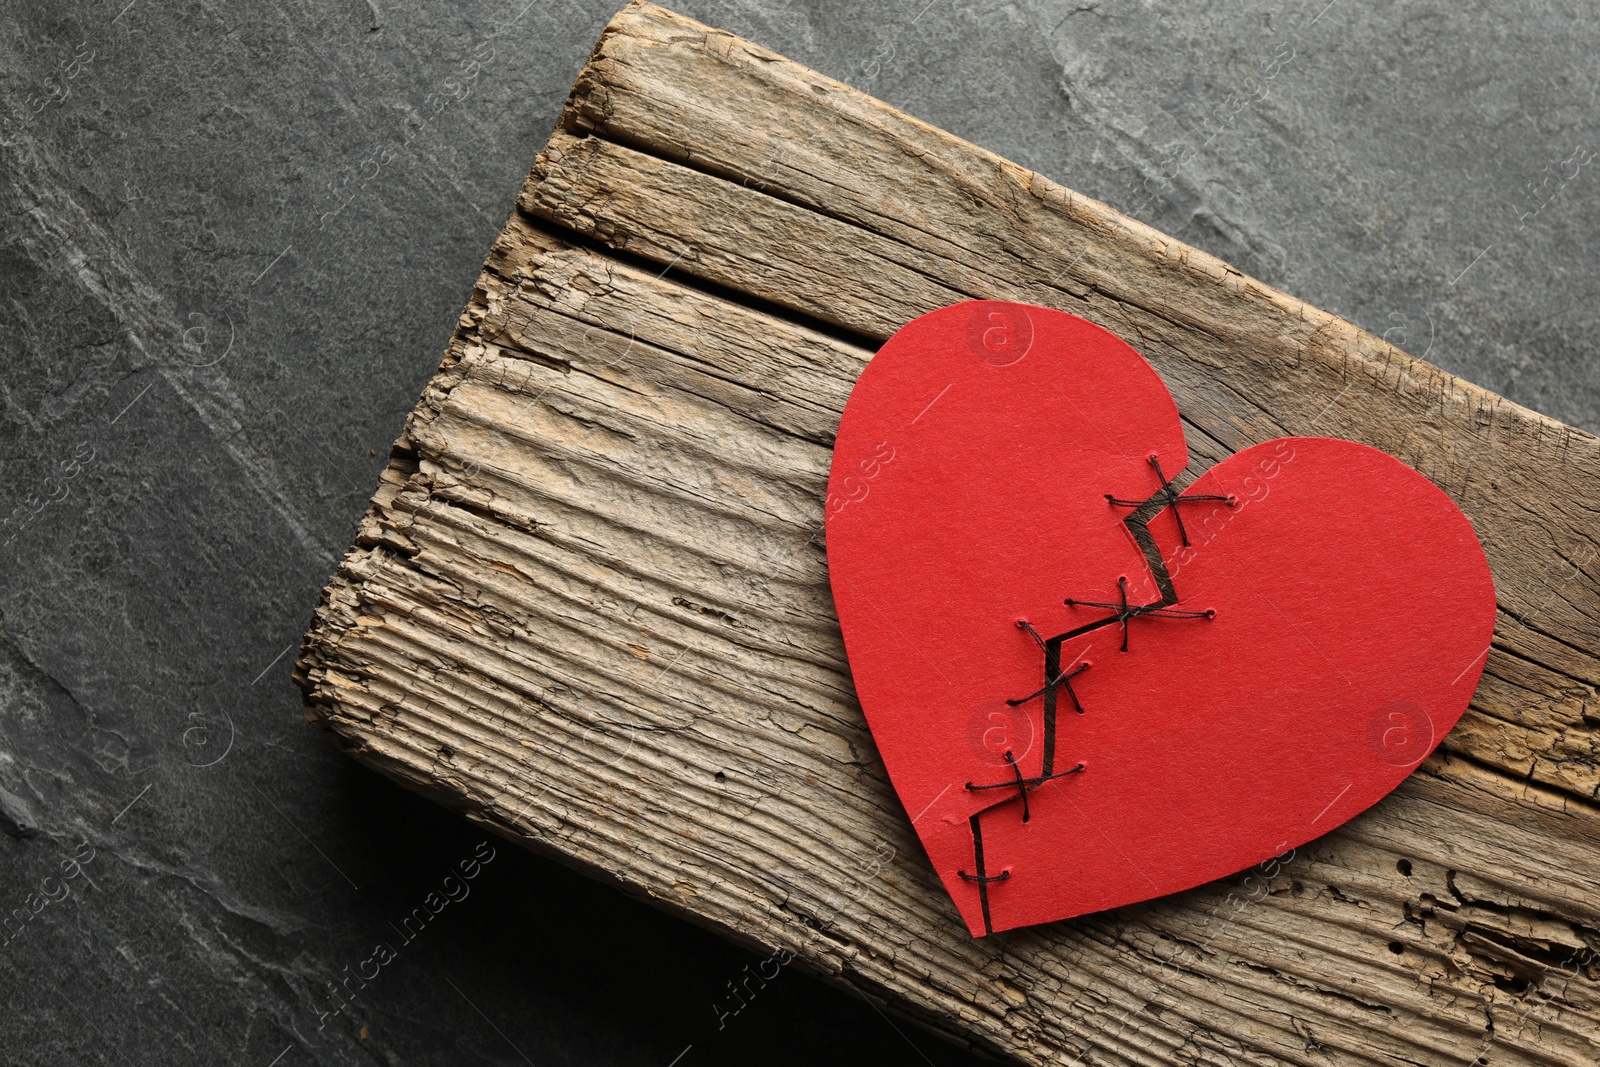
point(589, 604)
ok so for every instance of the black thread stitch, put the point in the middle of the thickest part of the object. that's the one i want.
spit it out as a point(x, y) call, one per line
point(1020, 784)
point(1053, 677)
point(1170, 497)
point(1124, 613)
point(1060, 678)
point(983, 878)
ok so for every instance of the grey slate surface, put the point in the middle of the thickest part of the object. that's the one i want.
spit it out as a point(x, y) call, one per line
point(235, 240)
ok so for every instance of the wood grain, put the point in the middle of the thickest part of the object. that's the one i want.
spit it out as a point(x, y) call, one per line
point(588, 606)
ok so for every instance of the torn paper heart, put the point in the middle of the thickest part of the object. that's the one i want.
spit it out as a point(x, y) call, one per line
point(1090, 689)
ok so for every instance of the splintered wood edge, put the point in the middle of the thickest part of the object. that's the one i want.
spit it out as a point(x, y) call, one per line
point(615, 480)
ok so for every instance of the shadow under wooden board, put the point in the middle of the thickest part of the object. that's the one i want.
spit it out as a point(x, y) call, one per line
point(589, 605)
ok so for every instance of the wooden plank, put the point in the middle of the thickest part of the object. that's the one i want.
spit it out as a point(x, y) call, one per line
point(589, 604)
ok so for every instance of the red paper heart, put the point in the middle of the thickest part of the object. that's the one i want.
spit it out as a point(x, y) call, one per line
point(1353, 610)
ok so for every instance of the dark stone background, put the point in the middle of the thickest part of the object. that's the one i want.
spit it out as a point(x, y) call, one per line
point(232, 252)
